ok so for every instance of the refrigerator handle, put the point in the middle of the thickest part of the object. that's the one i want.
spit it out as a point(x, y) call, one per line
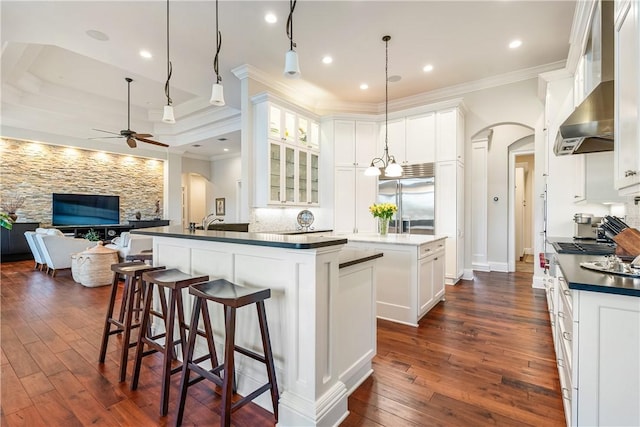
point(399, 205)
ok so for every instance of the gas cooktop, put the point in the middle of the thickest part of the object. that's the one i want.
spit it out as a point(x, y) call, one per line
point(584, 248)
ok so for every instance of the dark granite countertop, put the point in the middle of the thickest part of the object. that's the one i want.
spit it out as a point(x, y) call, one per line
point(298, 241)
point(582, 279)
point(349, 257)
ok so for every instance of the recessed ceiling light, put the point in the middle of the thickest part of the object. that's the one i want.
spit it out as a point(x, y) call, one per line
point(98, 35)
point(364, 86)
point(146, 54)
point(427, 68)
point(271, 18)
point(515, 44)
point(225, 149)
point(327, 60)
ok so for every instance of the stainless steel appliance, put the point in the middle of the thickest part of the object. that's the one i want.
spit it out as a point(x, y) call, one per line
point(586, 226)
point(414, 194)
point(584, 248)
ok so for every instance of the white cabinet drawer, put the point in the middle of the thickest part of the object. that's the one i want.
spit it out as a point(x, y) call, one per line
point(429, 249)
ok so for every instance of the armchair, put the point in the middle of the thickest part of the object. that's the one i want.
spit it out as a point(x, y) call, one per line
point(57, 249)
point(35, 248)
point(130, 244)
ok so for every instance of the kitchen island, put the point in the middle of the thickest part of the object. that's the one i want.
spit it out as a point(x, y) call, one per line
point(321, 313)
point(410, 276)
point(595, 318)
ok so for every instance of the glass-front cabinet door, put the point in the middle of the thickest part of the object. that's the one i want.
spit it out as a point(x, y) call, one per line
point(303, 176)
point(275, 122)
point(292, 158)
point(313, 179)
point(290, 174)
point(275, 177)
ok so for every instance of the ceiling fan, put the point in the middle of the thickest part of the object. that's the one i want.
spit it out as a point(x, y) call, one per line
point(127, 133)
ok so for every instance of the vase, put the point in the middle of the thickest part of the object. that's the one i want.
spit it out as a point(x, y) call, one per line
point(383, 226)
point(13, 216)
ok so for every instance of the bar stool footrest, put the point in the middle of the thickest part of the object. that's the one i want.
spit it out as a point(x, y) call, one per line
point(249, 397)
point(251, 354)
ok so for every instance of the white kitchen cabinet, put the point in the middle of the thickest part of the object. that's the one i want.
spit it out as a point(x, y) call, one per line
point(286, 157)
point(607, 377)
point(354, 193)
point(627, 97)
point(450, 135)
point(308, 177)
point(288, 126)
point(411, 139)
point(430, 277)
point(597, 343)
point(396, 141)
point(421, 138)
point(410, 278)
point(450, 215)
point(594, 180)
point(354, 142)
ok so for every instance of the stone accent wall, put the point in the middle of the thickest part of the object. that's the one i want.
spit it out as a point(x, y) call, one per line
point(37, 170)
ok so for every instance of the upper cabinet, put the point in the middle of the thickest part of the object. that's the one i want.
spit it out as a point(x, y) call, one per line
point(627, 97)
point(287, 158)
point(292, 128)
point(434, 136)
point(449, 135)
point(354, 142)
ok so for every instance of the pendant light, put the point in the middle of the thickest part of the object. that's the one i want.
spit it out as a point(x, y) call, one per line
point(291, 66)
point(168, 116)
point(391, 168)
point(217, 92)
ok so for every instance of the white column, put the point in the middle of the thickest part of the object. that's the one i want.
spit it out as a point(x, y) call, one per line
point(479, 194)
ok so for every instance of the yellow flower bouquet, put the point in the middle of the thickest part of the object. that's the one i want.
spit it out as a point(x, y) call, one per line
point(383, 210)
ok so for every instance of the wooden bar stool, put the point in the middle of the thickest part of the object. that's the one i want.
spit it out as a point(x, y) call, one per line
point(231, 297)
point(146, 255)
point(174, 280)
point(133, 286)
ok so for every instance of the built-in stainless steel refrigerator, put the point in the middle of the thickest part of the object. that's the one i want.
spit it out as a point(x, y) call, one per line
point(414, 194)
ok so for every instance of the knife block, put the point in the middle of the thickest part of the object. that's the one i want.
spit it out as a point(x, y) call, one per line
point(628, 242)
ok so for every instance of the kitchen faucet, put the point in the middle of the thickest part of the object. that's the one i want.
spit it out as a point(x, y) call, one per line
point(207, 220)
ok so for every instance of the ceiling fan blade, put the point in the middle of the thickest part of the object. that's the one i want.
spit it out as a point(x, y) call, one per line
point(106, 131)
point(150, 141)
point(131, 142)
point(106, 137)
point(141, 135)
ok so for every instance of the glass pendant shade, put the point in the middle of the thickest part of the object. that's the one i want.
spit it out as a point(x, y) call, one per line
point(217, 95)
point(168, 116)
point(372, 171)
point(393, 170)
point(291, 66)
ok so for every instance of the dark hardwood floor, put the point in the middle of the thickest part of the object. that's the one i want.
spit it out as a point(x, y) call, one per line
point(483, 357)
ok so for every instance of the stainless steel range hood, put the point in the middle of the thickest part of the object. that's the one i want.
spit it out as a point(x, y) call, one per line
point(589, 128)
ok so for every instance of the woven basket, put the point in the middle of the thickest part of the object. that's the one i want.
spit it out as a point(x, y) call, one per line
point(93, 266)
point(74, 268)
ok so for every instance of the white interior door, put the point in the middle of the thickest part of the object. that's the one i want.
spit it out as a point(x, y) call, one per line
point(519, 212)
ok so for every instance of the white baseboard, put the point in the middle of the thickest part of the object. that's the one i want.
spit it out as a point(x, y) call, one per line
point(538, 282)
point(502, 267)
point(467, 274)
point(480, 266)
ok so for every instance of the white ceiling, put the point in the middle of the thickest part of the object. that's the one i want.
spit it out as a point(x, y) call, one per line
point(57, 80)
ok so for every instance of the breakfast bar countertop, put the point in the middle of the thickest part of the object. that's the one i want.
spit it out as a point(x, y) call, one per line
point(580, 278)
point(296, 241)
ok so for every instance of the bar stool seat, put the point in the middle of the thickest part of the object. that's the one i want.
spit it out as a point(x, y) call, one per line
point(174, 280)
point(231, 297)
point(124, 322)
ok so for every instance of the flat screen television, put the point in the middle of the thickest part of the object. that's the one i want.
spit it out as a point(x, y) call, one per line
point(85, 209)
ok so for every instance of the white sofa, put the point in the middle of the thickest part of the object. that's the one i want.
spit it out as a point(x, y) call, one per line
point(57, 249)
point(130, 244)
